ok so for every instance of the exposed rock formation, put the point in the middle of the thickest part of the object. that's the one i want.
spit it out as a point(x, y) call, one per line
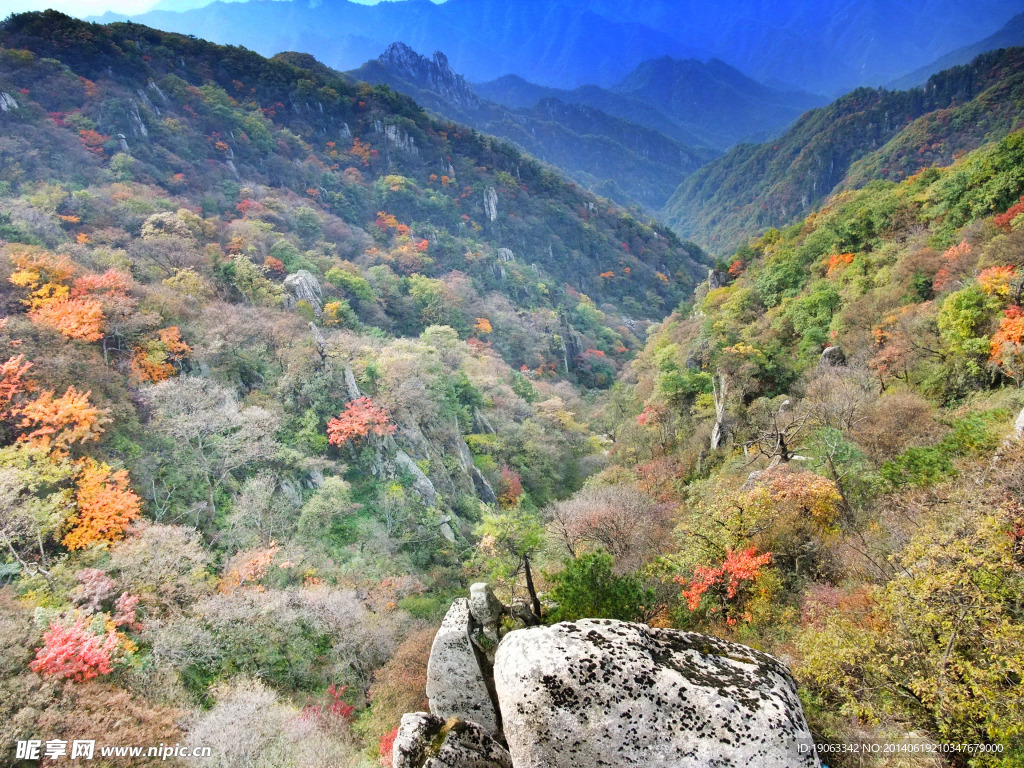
point(456, 682)
point(434, 74)
point(833, 356)
point(602, 692)
point(420, 482)
point(599, 693)
point(491, 203)
point(485, 609)
point(427, 741)
point(304, 286)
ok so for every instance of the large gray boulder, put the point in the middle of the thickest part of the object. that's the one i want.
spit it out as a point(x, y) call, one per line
point(456, 685)
point(304, 286)
point(428, 741)
point(610, 693)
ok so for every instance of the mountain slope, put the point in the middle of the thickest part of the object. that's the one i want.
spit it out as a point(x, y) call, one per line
point(616, 158)
point(274, 346)
point(891, 134)
point(714, 100)
point(331, 142)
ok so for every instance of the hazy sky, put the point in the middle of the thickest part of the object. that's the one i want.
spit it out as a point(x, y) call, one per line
point(83, 8)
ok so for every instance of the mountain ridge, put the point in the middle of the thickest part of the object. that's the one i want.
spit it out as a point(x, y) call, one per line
point(600, 42)
point(888, 134)
point(629, 163)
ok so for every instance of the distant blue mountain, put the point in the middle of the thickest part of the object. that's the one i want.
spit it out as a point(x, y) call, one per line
point(691, 101)
point(822, 46)
point(1010, 36)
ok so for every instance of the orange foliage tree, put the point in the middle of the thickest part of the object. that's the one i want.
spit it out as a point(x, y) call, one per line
point(106, 506)
point(359, 419)
point(1006, 347)
point(12, 383)
point(160, 358)
point(57, 422)
point(77, 312)
point(80, 319)
point(247, 567)
point(997, 281)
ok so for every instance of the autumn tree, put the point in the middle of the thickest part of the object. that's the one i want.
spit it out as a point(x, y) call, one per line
point(55, 423)
point(75, 652)
point(360, 419)
point(737, 572)
point(160, 358)
point(619, 519)
point(35, 502)
point(1006, 347)
point(106, 506)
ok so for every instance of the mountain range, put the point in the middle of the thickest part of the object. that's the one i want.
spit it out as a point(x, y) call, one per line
point(633, 143)
point(829, 47)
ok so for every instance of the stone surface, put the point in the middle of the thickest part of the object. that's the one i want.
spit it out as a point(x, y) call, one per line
point(428, 741)
point(610, 693)
point(304, 286)
point(455, 685)
point(833, 356)
point(1018, 426)
point(420, 482)
point(486, 609)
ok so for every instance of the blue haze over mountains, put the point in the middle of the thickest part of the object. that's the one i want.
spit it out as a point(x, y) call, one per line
point(826, 46)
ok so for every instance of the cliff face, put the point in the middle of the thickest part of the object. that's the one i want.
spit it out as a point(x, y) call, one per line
point(599, 692)
point(433, 74)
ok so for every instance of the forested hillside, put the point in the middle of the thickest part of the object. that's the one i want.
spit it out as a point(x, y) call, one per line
point(274, 341)
point(835, 423)
point(867, 134)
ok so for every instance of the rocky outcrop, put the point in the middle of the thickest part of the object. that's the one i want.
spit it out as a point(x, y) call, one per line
point(491, 203)
point(435, 75)
point(7, 102)
point(458, 683)
point(420, 482)
point(598, 692)
point(602, 692)
point(428, 741)
point(304, 286)
point(832, 356)
point(485, 609)
point(1018, 426)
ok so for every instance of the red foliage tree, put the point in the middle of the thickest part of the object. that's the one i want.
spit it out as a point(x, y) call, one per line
point(1003, 220)
point(510, 488)
point(387, 747)
point(74, 653)
point(738, 567)
point(359, 419)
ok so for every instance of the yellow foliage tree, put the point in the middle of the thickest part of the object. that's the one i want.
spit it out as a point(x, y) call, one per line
point(106, 506)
